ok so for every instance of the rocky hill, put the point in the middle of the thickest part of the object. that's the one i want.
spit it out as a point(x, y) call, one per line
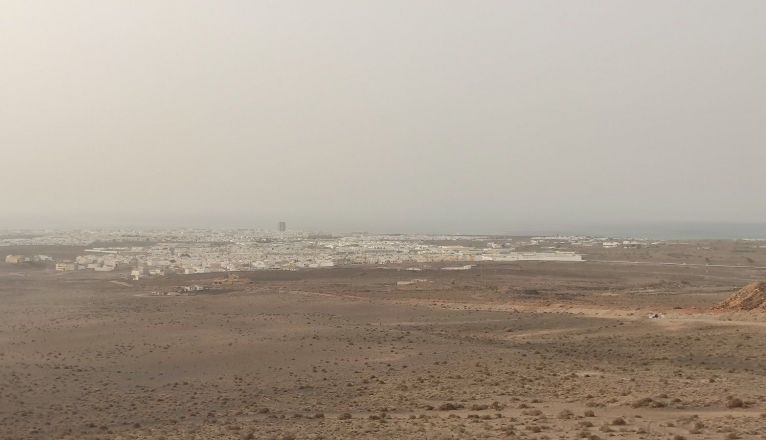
point(750, 297)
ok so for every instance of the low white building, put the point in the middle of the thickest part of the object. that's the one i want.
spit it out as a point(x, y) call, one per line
point(15, 259)
point(65, 267)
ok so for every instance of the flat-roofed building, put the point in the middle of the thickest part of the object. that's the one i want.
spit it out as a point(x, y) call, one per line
point(15, 259)
point(65, 267)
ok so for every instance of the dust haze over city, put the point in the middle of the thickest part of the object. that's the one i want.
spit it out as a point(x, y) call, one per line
point(420, 219)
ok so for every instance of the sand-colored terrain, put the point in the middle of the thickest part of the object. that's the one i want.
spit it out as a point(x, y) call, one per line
point(516, 350)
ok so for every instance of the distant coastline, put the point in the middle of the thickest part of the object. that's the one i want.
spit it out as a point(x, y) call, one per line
point(662, 230)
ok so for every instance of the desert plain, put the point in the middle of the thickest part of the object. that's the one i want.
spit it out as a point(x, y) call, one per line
point(627, 344)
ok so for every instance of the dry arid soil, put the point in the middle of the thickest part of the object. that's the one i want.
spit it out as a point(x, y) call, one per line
point(622, 347)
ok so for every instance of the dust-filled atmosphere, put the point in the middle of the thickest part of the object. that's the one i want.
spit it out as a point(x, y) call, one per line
point(637, 340)
point(382, 219)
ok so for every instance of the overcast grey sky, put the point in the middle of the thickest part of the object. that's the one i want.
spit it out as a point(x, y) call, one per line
point(480, 116)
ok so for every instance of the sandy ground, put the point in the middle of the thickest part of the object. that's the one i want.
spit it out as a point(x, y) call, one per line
point(522, 350)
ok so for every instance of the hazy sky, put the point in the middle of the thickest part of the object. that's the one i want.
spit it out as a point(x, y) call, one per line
point(474, 116)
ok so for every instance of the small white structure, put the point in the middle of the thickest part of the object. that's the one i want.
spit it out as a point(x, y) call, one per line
point(410, 282)
point(15, 259)
point(466, 267)
point(65, 267)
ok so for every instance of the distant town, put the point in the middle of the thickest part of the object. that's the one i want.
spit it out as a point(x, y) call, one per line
point(191, 251)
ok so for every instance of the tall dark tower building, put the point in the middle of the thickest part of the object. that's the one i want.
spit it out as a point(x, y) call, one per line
point(282, 226)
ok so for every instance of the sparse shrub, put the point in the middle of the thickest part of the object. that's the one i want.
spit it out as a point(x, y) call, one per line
point(734, 402)
point(648, 402)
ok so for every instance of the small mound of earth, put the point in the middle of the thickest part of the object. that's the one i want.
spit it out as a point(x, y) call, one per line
point(750, 297)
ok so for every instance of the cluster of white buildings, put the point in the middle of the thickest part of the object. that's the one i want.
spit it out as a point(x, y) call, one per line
point(19, 259)
point(586, 242)
point(189, 251)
